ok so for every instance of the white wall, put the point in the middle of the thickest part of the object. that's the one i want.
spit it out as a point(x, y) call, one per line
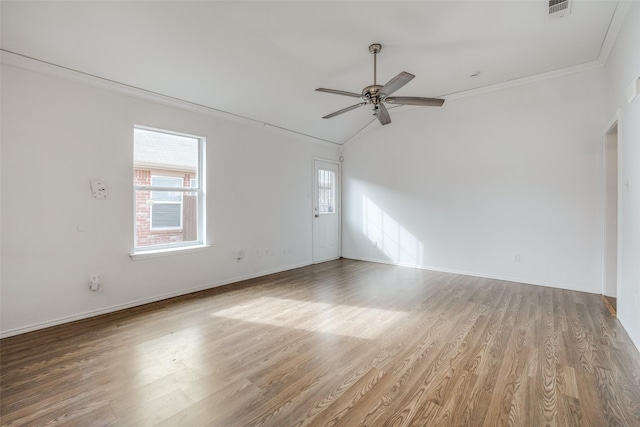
point(610, 164)
point(462, 188)
point(465, 187)
point(622, 67)
point(58, 134)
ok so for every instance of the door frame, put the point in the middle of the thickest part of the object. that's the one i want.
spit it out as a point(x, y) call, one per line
point(613, 123)
point(338, 163)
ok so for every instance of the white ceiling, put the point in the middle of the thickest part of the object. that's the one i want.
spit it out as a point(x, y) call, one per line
point(262, 60)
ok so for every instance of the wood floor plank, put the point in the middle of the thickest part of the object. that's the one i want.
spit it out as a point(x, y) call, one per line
point(342, 343)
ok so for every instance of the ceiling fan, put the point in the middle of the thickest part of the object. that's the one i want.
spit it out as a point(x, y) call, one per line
point(377, 95)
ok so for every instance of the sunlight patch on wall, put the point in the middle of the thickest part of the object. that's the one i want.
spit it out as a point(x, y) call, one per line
point(391, 238)
point(345, 320)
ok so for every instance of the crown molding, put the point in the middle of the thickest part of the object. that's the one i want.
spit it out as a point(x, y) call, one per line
point(622, 9)
point(65, 73)
point(491, 88)
point(524, 80)
point(36, 65)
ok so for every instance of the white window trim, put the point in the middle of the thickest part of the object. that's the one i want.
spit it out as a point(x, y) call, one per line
point(177, 248)
point(161, 253)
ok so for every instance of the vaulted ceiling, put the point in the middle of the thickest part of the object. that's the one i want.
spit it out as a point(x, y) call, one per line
point(262, 60)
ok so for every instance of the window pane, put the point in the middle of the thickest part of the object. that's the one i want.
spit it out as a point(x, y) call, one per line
point(190, 216)
point(326, 191)
point(166, 215)
point(165, 196)
point(165, 151)
point(165, 181)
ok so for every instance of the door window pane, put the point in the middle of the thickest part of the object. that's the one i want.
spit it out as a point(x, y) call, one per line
point(326, 191)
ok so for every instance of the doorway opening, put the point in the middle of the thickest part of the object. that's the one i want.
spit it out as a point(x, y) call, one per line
point(610, 282)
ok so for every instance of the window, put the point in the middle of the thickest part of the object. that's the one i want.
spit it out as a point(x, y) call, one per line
point(326, 191)
point(166, 206)
point(168, 186)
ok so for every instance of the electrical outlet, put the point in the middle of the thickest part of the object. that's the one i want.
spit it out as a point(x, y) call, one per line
point(374, 244)
point(516, 257)
point(94, 282)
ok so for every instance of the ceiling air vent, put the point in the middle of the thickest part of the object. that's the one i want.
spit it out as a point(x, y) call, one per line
point(559, 8)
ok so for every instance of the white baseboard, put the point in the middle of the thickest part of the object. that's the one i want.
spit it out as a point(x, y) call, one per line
point(476, 274)
point(111, 309)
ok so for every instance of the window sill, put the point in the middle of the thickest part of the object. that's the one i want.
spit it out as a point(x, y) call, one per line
point(160, 253)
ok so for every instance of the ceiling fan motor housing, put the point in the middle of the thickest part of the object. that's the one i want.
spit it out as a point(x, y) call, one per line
point(370, 93)
point(375, 48)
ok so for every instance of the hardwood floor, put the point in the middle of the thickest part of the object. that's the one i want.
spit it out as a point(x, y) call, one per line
point(611, 303)
point(341, 343)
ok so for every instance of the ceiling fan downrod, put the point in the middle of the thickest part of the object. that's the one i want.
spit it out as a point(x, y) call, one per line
point(370, 92)
point(374, 49)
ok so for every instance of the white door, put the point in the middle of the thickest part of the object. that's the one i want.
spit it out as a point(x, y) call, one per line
point(326, 211)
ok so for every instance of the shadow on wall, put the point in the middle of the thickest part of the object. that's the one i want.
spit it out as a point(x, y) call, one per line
point(388, 236)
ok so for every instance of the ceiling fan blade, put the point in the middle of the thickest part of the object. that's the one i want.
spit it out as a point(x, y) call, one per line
point(396, 83)
point(383, 114)
point(344, 110)
point(415, 100)
point(339, 92)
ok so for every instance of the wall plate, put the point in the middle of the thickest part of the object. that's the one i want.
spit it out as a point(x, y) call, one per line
point(98, 189)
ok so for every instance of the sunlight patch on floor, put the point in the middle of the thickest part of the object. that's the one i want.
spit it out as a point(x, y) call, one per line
point(346, 320)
